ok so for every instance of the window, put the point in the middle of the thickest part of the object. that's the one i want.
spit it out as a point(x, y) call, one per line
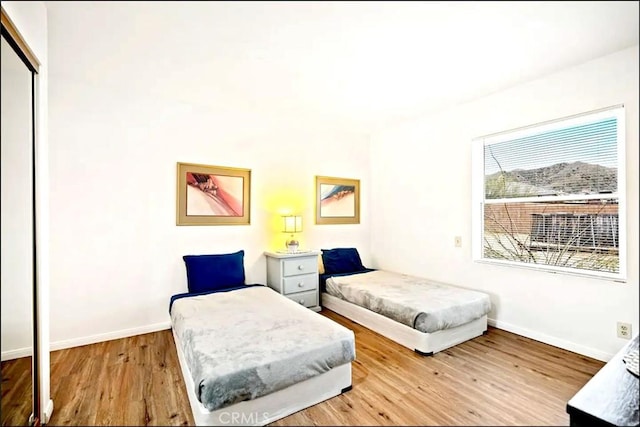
point(552, 196)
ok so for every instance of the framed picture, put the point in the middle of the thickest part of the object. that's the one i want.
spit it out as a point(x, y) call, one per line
point(337, 200)
point(213, 195)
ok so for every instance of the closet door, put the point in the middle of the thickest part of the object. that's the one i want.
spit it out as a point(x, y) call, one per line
point(17, 240)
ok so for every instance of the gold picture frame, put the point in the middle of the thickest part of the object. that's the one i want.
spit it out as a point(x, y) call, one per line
point(337, 200)
point(213, 195)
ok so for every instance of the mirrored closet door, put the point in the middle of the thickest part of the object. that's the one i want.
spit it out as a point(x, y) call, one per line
point(20, 377)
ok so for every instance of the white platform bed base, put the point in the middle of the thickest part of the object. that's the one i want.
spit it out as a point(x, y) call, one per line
point(423, 343)
point(271, 407)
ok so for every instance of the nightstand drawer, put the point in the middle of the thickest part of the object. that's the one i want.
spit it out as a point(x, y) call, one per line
point(295, 276)
point(300, 283)
point(292, 267)
point(308, 299)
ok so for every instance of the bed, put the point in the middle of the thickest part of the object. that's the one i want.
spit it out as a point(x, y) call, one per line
point(248, 355)
point(423, 315)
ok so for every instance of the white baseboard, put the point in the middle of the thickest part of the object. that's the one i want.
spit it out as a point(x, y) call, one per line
point(16, 354)
point(91, 339)
point(124, 333)
point(556, 342)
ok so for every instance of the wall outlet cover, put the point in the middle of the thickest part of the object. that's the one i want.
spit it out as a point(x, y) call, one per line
point(624, 330)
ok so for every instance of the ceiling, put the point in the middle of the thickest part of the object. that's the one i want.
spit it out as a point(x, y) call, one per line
point(361, 65)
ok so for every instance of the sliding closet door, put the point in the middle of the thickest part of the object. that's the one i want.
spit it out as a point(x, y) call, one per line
point(17, 239)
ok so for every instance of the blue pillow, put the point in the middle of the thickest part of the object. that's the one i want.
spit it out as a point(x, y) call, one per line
point(341, 260)
point(213, 272)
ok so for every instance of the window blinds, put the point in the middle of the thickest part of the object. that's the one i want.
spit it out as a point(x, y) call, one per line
point(551, 194)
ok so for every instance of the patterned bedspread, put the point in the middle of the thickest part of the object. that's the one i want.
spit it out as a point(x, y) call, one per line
point(247, 343)
point(419, 303)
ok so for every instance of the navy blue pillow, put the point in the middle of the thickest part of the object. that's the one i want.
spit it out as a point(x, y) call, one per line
point(212, 272)
point(341, 260)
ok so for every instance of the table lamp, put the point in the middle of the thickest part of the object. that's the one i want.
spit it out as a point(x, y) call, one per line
point(292, 225)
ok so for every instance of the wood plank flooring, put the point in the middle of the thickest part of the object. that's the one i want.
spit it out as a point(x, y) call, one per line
point(496, 379)
point(17, 391)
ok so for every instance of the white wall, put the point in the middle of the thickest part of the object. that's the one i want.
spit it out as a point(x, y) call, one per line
point(421, 172)
point(17, 218)
point(128, 102)
point(30, 19)
point(116, 251)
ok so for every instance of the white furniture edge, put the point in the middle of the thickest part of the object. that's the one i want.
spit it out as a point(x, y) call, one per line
point(271, 407)
point(421, 342)
point(276, 254)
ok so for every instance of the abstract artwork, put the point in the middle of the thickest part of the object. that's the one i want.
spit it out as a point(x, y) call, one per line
point(337, 200)
point(213, 195)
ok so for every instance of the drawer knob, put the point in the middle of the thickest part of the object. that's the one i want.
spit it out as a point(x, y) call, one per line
point(300, 284)
point(301, 267)
point(301, 301)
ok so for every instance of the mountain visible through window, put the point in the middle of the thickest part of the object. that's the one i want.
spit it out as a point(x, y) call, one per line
point(550, 195)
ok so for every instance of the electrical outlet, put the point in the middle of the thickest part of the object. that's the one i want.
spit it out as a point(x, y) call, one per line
point(624, 330)
point(457, 241)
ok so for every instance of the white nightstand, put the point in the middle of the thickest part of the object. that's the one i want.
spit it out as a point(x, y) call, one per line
point(295, 275)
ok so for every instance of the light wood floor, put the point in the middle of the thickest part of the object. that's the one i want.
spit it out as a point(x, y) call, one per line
point(496, 379)
point(16, 392)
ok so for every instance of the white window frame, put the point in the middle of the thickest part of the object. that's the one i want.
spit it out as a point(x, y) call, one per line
point(478, 191)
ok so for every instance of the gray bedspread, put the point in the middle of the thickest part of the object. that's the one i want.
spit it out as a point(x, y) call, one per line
point(243, 344)
point(419, 303)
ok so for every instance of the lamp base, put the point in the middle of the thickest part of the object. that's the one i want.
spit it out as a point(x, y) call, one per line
point(293, 245)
